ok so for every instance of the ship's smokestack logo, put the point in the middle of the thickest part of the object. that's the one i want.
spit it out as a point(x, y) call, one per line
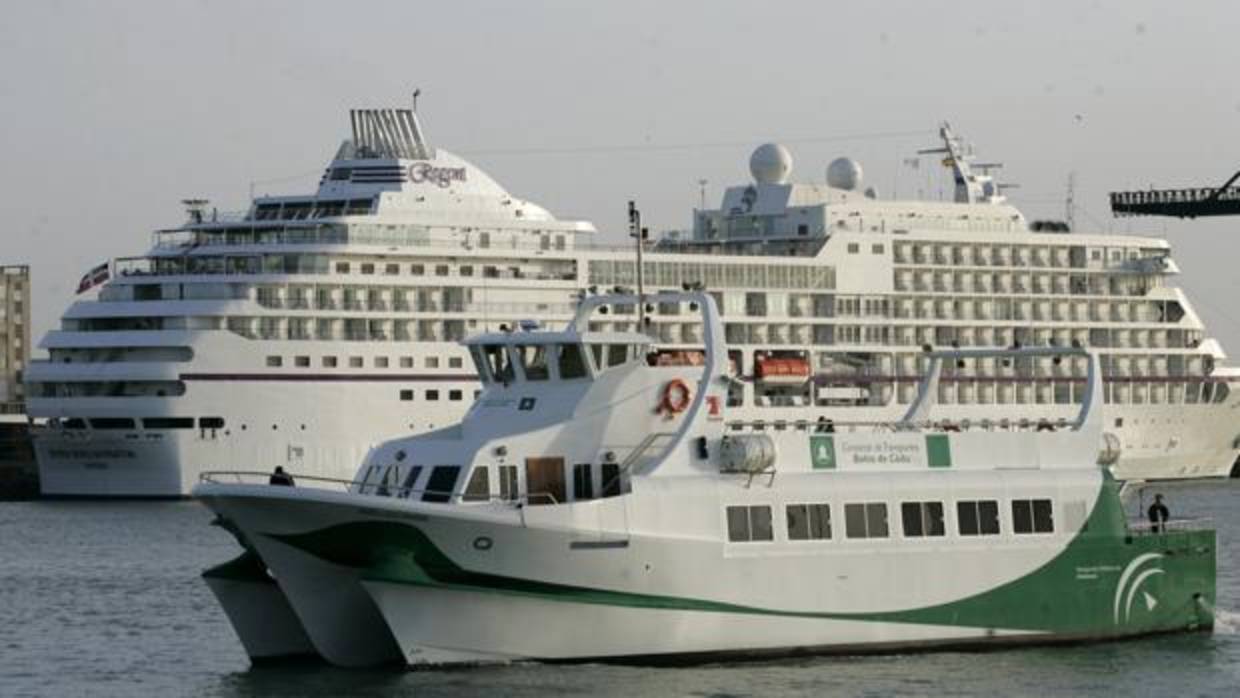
point(420, 172)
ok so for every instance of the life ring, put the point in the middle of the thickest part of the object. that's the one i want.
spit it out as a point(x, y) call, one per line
point(676, 397)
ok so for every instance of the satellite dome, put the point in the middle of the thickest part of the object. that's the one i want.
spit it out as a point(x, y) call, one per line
point(771, 163)
point(844, 173)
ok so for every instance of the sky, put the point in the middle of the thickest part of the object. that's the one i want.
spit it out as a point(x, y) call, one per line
point(112, 112)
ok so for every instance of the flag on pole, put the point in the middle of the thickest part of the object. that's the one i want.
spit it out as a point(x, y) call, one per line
point(94, 277)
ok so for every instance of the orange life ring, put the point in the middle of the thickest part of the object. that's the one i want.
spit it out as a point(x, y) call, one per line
point(676, 397)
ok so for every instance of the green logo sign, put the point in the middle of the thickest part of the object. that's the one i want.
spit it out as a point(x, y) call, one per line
point(822, 452)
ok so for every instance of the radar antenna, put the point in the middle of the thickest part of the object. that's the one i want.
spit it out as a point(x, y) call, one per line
point(971, 188)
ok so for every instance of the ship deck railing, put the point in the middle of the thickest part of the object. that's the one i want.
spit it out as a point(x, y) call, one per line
point(830, 426)
point(372, 489)
point(1142, 527)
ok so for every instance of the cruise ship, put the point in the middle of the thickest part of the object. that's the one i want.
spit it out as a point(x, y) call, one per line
point(309, 328)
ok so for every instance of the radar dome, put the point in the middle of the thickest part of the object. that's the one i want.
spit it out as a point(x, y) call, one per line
point(771, 163)
point(844, 173)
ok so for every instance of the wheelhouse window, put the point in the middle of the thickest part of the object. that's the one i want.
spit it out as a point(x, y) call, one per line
point(480, 364)
point(534, 361)
point(479, 487)
point(978, 518)
point(748, 524)
point(498, 363)
point(410, 480)
point(922, 519)
point(571, 362)
point(612, 486)
point(508, 483)
point(865, 520)
point(608, 356)
point(1032, 516)
point(441, 483)
point(583, 481)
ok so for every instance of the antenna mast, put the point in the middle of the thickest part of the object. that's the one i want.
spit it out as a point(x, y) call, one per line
point(1069, 204)
point(638, 233)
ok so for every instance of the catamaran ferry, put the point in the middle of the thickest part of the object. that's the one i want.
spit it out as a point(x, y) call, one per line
point(307, 329)
point(601, 500)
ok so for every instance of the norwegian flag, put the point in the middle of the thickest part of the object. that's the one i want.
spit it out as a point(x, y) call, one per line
point(94, 277)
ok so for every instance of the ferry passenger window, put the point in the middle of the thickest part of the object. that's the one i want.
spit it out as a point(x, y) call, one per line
point(381, 362)
point(454, 362)
point(583, 481)
point(466, 271)
point(853, 248)
point(876, 248)
point(508, 483)
point(368, 268)
point(406, 362)
point(749, 524)
point(571, 363)
point(922, 519)
point(432, 395)
point(611, 480)
point(498, 363)
point(432, 362)
point(329, 362)
point(978, 518)
point(479, 487)
point(210, 422)
point(355, 362)
point(342, 267)
point(440, 484)
point(406, 395)
point(112, 423)
point(391, 269)
point(441, 270)
point(534, 362)
point(1032, 516)
point(301, 361)
point(417, 269)
point(406, 488)
point(868, 520)
point(809, 521)
point(454, 395)
point(275, 361)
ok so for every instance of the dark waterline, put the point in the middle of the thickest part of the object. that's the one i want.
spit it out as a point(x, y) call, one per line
point(105, 598)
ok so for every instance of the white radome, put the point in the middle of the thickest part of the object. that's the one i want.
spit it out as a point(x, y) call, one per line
point(844, 173)
point(771, 163)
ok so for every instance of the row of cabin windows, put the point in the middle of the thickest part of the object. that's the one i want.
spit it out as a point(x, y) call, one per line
point(150, 423)
point(276, 361)
point(812, 521)
point(433, 394)
point(394, 480)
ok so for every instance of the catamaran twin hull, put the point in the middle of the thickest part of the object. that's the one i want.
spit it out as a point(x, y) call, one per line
point(488, 585)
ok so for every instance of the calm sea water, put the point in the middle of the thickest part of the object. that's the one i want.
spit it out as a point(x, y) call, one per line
point(105, 599)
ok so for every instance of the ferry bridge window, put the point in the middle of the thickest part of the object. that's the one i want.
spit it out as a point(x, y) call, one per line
point(610, 477)
point(441, 483)
point(583, 481)
point(571, 362)
point(534, 361)
point(499, 365)
point(749, 524)
point(480, 364)
point(1032, 516)
point(865, 520)
point(978, 518)
point(809, 521)
point(508, 483)
point(922, 519)
point(410, 480)
point(479, 487)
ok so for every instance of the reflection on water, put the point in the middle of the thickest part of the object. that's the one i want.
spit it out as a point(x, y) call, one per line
point(105, 599)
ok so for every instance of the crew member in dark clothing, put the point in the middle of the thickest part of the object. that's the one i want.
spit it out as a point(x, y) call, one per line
point(1158, 514)
point(279, 477)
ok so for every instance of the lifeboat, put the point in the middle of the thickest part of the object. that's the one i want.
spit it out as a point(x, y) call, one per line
point(783, 371)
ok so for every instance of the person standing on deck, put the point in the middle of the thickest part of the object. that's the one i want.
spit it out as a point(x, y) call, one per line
point(1159, 514)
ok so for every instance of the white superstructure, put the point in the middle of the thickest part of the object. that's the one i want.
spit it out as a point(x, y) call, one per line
point(307, 329)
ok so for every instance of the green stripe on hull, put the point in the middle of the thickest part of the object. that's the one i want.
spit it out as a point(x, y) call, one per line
point(1104, 583)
